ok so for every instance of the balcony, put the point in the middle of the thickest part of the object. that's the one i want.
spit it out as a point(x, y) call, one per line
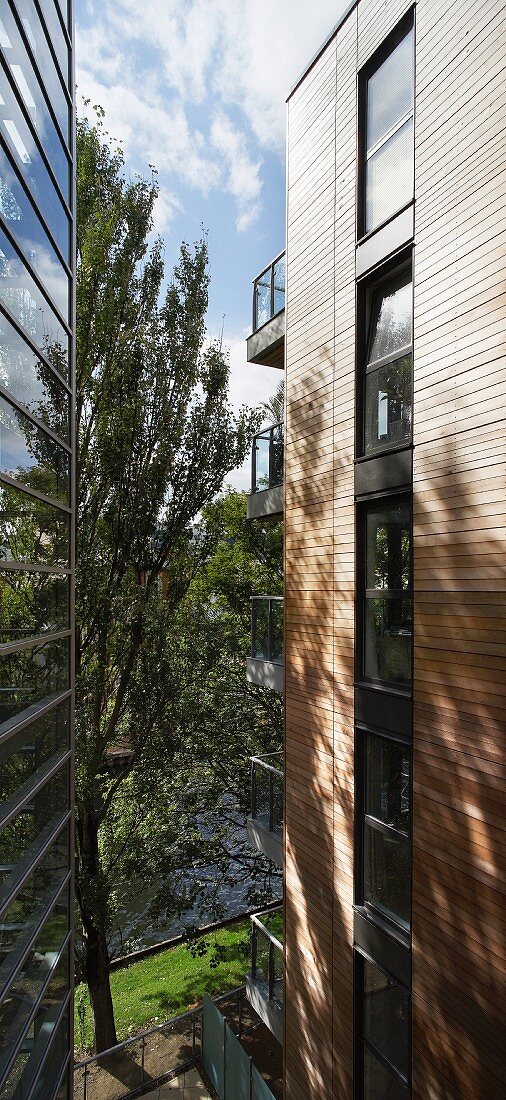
point(265, 666)
point(266, 497)
point(264, 986)
point(265, 823)
point(267, 342)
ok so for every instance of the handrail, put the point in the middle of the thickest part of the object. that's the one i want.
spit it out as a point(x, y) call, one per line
point(267, 767)
point(262, 597)
point(271, 264)
point(255, 919)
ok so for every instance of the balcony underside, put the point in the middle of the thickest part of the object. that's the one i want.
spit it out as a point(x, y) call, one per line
point(268, 841)
point(264, 673)
point(268, 502)
point(267, 344)
point(270, 1011)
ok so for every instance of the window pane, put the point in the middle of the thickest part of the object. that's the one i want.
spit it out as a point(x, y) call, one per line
point(388, 551)
point(279, 285)
point(387, 875)
point(263, 299)
point(32, 603)
point(24, 374)
point(47, 69)
point(379, 1082)
point(20, 293)
point(386, 1016)
point(47, 806)
point(31, 675)
point(32, 531)
point(49, 1073)
point(388, 402)
point(54, 28)
point(392, 320)
point(277, 630)
point(388, 640)
point(389, 177)
point(390, 91)
point(262, 462)
point(387, 781)
point(21, 999)
point(31, 456)
point(25, 752)
point(29, 905)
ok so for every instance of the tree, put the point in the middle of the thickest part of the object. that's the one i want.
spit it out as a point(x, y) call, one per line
point(155, 440)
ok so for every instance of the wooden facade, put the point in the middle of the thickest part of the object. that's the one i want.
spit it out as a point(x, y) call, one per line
point(459, 482)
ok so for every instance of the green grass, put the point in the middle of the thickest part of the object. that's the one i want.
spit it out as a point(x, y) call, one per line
point(164, 985)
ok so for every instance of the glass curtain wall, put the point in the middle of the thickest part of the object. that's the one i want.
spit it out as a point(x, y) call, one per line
point(36, 547)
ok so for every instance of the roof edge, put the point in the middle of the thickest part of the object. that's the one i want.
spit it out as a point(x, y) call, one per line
point(322, 48)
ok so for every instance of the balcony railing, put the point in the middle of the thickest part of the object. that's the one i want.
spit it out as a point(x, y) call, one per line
point(267, 954)
point(267, 790)
point(267, 628)
point(267, 459)
point(269, 292)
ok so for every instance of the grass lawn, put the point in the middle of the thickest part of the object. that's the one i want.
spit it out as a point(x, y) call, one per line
point(164, 985)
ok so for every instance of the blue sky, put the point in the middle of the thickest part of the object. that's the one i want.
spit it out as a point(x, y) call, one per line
point(197, 88)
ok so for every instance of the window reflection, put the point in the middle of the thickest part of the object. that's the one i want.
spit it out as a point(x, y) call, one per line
point(31, 674)
point(28, 378)
point(388, 380)
point(388, 607)
point(386, 1017)
point(21, 295)
point(45, 808)
point(32, 603)
point(50, 78)
point(30, 749)
point(32, 531)
point(30, 456)
point(43, 968)
point(389, 135)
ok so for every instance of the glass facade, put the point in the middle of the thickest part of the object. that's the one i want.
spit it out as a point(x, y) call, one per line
point(36, 426)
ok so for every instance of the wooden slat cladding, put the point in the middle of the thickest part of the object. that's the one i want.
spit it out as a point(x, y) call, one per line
point(459, 551)
point(319, 575)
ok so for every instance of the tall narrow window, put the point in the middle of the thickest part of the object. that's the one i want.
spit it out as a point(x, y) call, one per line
point(389, 135)
point(387, 614)
point(389, 369)
point(386, 888)
point(385, 1034)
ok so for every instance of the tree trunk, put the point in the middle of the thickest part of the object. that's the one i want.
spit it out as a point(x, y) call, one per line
point(97, 977)
point(93, 896)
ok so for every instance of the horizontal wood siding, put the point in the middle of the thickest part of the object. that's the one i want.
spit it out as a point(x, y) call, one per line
point(459, 552)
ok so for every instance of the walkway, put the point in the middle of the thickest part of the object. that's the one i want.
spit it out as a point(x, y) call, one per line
point(188, 1087)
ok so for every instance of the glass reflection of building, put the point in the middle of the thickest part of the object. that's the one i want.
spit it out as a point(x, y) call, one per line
point(36, 425)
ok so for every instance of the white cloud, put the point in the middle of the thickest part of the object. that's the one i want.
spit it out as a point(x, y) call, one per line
point(242, 173)
point(250, 384)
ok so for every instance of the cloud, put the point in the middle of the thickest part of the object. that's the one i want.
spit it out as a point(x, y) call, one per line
point(242, 173)
point(250, 384)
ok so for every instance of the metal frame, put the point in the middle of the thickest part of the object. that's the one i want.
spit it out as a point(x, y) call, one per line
point(274, 775)
point(272, 312)
point(274, 479)
point(270, 637)
point(258, 928)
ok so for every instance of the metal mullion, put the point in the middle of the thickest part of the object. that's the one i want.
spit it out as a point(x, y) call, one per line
point(61, 1076)
point(62, 21)
point(42, 84)
point(32, 864)
point(389, 134)
point(43, 775)
point(28, 122)
point(385, 360)
point(33, 1013)
point(8, 480)
point(33, 346)
point(65, 81)
point(384, 1060)
point(22, 567)
point(36, 278)
point(37, 929)
point(11, 400)
point(388, 830)
point(37, 710)
point(23, 183)
point(254, 465)
point(6, 648)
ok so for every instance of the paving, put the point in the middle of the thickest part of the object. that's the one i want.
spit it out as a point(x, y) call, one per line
point(187, 1087)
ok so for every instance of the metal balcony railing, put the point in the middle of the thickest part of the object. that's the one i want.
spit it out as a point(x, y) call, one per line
point(269, 292)
point(267, 953)
point(267, 628)
point(267, 459)
point(267, 790)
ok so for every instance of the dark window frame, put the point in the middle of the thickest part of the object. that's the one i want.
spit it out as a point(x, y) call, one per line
point(387, 47)
point(361, 1041)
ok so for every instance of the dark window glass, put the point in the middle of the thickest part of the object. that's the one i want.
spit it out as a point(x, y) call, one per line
point(49, 1072)
point(23, 995)
point(30, 94)
point(387, 782)
point(20, 217)
point(32, 531)
point(30, 749)
point(45, 808)
point(387, 878)
point(260, 631)
point(389, 135)
point(31, 456)
point(28, 160)
point(386, 1017)
point(277, 630)
point(33, 899)
point(388, 610)
point(49, 75)
point(24, 374)
point(388, 373)
point(381, 1083)
point(32, 674)
point(32, 603)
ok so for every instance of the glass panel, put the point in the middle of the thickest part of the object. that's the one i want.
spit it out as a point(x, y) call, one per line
point(388, 402)
point(31, 381)
point(279, 285)
point(277, 456)
point(277, 630)
point(386, 1016)
point(262, 957)
point(388, 640)
point(392, 319)
point(41, 1029)
point(387, 874)
point(38, 42)
point(263, 299)
point(18, 213)
point(379, 1082)
point(30, 94)
point(28, 160)
point(26, 302)
point(389, 177)
point(32, 531)
point(46, 807)
point(260, 639)
point(33, 898)
point(388, 781)
point(32, 603)
point(388, 553)
point(56, 36)
point(31, 675)
point(390, 91)
point(25, 752)
point(262, 462)
point(31, 456)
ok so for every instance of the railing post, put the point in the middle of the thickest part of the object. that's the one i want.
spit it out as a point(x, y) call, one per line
point(253, 951)
point(254, 465)
point(272, 290)
point(250, 1078)
point(270, 636)
point(193, 1037)
point(271, 970)
point(252, 628)
point(240, 1015)
point(271, 456)
point(85, 1089)
point(254, 804)
point(142, 1058)
point(224, 1059)
point(271, 801)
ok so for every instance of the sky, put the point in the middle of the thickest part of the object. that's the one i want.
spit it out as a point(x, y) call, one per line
point(197, 88)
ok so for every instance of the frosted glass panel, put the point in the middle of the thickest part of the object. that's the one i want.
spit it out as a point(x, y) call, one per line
point(389, 177)
point(390, 91)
